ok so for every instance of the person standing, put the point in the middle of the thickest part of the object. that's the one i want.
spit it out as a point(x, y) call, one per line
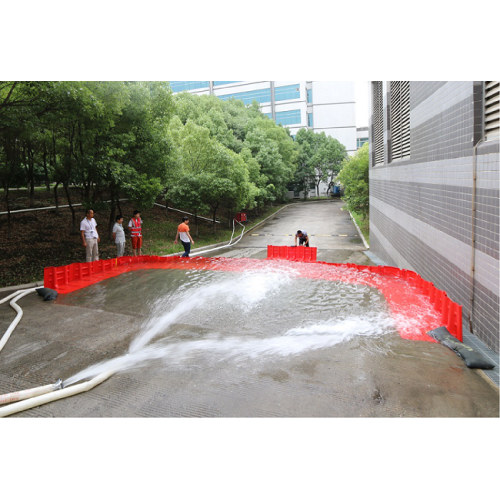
point(119, 236)
point(90, 237)
point(303, 238)
point(185, 237)
point(135, 226)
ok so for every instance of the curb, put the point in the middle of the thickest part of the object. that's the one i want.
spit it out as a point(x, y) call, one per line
point(359, 231)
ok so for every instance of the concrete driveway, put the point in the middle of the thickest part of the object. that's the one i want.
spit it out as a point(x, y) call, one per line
point(357, 378)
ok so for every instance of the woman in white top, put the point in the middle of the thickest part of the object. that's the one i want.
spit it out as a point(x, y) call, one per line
point(119, 236)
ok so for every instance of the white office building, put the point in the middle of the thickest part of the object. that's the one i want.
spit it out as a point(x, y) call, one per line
point(319, 106)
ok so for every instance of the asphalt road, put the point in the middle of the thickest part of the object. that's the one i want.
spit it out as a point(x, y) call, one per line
point(357, 378)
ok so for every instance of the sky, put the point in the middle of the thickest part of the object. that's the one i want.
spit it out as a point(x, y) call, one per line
point(361, 93)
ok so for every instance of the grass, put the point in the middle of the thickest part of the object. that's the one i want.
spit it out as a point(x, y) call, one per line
point(35, 240)
point(364, 225)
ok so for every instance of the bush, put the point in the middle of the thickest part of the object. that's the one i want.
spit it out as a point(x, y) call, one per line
point(354, 178)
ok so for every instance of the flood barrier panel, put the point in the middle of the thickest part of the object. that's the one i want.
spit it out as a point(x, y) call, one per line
point(66, 279)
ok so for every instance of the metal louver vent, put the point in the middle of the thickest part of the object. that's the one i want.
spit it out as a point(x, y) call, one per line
point(378, 122)
point(491, 109)
point(400, 119)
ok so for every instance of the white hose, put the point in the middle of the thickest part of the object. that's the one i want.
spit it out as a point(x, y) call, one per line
point(225, 246)
point(13, 303)
point(28, 393)
point(54, 396)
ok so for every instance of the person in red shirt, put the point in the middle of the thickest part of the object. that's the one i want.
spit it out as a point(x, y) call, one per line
point(135, 226)
point(185, 237)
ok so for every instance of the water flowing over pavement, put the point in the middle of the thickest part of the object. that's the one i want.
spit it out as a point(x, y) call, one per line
point(198, 344)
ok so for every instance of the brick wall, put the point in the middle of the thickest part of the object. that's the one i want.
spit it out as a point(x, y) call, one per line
point(420, 207)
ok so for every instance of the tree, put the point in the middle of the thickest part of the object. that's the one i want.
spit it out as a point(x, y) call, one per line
point(320, 159)
point(354, 178)
point(209, 175)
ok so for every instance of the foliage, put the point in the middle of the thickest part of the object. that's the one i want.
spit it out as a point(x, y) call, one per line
point(354, 178)
point(320, 159)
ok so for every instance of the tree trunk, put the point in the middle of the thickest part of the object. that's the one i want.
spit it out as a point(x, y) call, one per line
point(73, 213)
point(7, 202)
point(214, 217)
point(112, 216)
point(46, 170)
point(56, 198)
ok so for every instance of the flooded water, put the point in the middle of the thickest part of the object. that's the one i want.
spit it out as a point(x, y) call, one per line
point(233, 316)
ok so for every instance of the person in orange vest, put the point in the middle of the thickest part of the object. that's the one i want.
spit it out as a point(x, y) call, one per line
point(185, 237)
point(135, 226)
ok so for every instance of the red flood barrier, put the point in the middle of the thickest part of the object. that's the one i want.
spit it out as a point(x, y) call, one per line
point(451, 312)
point(298, 254)
point(394, 286)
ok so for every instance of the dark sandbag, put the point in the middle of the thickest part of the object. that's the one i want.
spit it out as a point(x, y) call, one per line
point(472, 358)
point(47, 293)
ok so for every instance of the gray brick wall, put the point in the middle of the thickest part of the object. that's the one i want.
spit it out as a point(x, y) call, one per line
point(420, 207)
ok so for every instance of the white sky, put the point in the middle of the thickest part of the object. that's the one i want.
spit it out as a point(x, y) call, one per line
point(361, 92)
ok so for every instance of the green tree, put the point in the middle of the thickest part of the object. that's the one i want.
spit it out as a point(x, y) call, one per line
point(320, 159)
point(354, 178)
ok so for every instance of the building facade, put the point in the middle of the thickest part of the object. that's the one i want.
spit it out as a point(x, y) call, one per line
point(434, 190)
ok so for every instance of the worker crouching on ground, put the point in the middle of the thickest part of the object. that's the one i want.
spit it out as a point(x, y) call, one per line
point(135, 226)
point(185, 237)
point(303, 238)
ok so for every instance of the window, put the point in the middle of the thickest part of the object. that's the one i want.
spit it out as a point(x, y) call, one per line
point(378, 122)
point(399, 119)
point(309, 96)
point(310, 120)
point(224, 83)
point(261, 96)
point(180, 86)
point(491, 109)
point(288, 117)
point(269, 115)
point(287, 92)
point(361, 141)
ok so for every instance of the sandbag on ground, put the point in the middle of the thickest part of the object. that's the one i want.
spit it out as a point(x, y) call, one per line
point(47, 293)
point(472, 358)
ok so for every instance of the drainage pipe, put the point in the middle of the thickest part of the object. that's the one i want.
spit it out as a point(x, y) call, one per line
point(473, 232)
point(54, 396)
point(29, 393)
point(13, 303)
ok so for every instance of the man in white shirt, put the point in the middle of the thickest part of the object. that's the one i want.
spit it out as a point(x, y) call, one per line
point(90, 237)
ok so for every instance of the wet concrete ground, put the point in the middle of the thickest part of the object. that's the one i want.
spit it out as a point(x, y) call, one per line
point(353, 379)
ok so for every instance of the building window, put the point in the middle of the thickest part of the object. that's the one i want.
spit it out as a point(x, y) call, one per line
point(180, 86)
point(361, 141)
point(491, 109)
point(310, 122)
point(288, 117)
point(309, 96)
point(269, 115)
point(224, 83)
point(399, 119)
point(261, 96)
point(287, 92)
point(378, 122)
